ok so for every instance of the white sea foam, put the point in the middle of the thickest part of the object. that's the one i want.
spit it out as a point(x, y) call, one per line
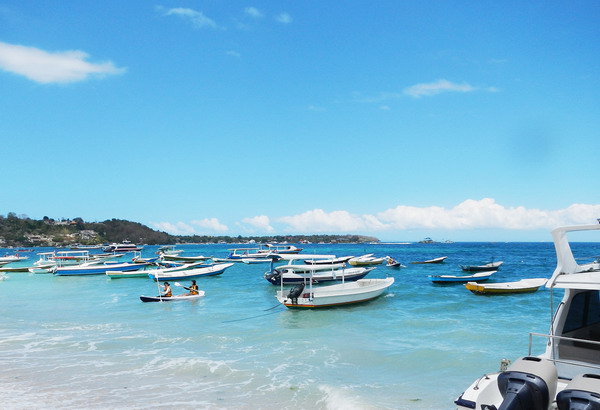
point(341, 399)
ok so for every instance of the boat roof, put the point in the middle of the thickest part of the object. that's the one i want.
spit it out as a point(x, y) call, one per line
point(293, 257)
point(311, 268)
point(568, 273)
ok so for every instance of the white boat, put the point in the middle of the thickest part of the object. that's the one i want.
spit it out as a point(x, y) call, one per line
point(94, 268)
point(567, 374)
point(291, 273)
point(461, 278)
point(503, 288)
point(366, 260)
point(125, 246)
point(212, 270)
point(481, 268)
point(261, 252)
point(12, 258)
point(282, 249)
point(184, 259)
point(80, 247)
point(251, 261)
point(332, 261)
point(168, 250)
point(344, 293)
point(143, 273)
point(434, 260)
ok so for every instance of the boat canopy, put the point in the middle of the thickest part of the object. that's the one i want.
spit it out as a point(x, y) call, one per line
point(568, 273)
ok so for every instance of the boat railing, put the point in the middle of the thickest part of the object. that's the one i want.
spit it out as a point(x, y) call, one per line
point(556, 357)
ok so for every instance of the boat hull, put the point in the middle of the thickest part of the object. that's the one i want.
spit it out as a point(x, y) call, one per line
point(482, 268)
point(505, 288)
point(436, 260)
point(96, 269)
point(441, 279)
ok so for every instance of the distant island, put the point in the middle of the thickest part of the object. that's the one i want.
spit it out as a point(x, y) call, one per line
point(22, 231)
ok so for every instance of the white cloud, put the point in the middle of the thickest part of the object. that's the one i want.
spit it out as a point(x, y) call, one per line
point(318, 220)
point(253, 12)
point(211, 223)
point(440, 86)
point(233, 53)
point(261, 222)
point(470, 214)
point(283, 18)
point(177, 228)
point(52, 67)
point(197, 18)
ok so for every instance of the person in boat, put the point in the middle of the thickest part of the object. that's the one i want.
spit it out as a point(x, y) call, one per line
point(167, 290)
point(193, 288)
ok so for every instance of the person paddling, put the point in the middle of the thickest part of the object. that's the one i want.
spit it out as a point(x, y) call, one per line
point(193, 288)
point(167, 290)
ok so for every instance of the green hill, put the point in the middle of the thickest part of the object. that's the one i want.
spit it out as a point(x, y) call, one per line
point(21, 231)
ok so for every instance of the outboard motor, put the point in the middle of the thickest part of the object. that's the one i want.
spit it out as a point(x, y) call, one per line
point(274, 277)
point(583, 393)
point(295, 292)
point(529, 383)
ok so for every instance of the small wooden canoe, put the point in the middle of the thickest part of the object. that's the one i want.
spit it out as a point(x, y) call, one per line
point(15, 269)
point(482, 268)
point(171, 298)
point(521, 286)
point(436, 260)
point(461, 278)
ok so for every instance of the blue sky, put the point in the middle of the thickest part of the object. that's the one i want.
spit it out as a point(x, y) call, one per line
point(398, 119)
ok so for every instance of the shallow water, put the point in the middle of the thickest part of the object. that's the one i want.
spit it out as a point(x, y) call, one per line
point(89, 342)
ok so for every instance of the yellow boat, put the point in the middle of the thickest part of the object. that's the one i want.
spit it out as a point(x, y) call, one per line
point(521, 286)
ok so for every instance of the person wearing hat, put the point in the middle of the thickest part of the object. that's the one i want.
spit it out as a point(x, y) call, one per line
point(167, 290)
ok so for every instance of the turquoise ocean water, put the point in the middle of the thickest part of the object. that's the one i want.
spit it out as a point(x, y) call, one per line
point(89, 342)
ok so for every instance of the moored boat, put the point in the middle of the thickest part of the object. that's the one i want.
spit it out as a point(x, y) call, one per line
point(91, 268)
point(148, 269)
point(12, 258)
point(503, 288)
point(341, 294)
point(328, 261)
point(290, 274)
point(211, 270)
point(184, 259)
point(434, 260)
point(366, 260)
point(461, 278)
point(482, 268)
point(125, 246)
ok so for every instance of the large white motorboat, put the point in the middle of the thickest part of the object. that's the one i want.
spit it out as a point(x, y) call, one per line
point(567, 374)
point(304, 295)
point(125, 246)
point(344, 293)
